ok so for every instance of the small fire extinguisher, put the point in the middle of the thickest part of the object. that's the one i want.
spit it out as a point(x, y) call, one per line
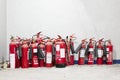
point(34, 54)
point(48, 55)
point(82, 51)
point(109, 52)
point(91, 51)
point(99, 51)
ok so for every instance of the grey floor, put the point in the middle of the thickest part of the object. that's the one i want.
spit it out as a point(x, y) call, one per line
point(76, 72)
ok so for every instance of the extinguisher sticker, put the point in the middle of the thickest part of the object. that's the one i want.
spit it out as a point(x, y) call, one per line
point(35, 50)
point(76, 56)
point(62, 53)
point(91, 49)
point(82, 53)
point(12, 60)
point(49, 57)
point(100, 53)
point(57, 47)
point(107, 49)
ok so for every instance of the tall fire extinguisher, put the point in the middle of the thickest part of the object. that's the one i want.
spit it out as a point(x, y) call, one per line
point(48, 54)
point(34, 54)
point(60, 57)
point(82, 51)
point(25, 55)
point(67, 51)
point(91, 51)
point(99, 51)
point(13, 53)
point(109, 52)
point(19, 52)
point(72, 51)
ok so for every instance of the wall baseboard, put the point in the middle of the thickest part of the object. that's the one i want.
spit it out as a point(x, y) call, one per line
point(115, 61)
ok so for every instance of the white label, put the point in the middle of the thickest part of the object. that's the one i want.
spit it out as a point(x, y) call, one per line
point(82, 53)
point(76, 57)
point(35, 50)
point(62, 53)
point(100, 53)
point(12, 60)
point(91, 49)
point(49, 58)
point(107, 49)
point(57, 47)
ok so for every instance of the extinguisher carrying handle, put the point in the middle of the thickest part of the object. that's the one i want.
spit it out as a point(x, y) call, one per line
point(78, 48)
point(30, 53)
point(40, 54)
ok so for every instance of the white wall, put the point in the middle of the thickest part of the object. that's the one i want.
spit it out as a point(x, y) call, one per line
point(85, 18)
point(3, 28)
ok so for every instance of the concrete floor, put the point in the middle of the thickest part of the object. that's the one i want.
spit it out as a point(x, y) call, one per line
point(83, 72)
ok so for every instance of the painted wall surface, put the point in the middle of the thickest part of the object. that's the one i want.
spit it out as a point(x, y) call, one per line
point(85, 18)
point(2, 28)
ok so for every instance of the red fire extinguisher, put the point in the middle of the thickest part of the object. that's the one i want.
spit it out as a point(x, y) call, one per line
point(13, 53)
point(81, 59)
point(34, 54)
point(48, 55)
point(67, 50)
point(18, 44)
point(25, 55)
point(60, 57)
point(99, 52)
point(72, 51)
point(109, 51)
point(91, 52)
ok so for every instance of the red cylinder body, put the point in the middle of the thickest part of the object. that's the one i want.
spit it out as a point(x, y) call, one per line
point(34, 55)
point(25, 58)
point(48, 55)
point(110, 54)
point(81, 59)
point(91, 55)
point(60, 57)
